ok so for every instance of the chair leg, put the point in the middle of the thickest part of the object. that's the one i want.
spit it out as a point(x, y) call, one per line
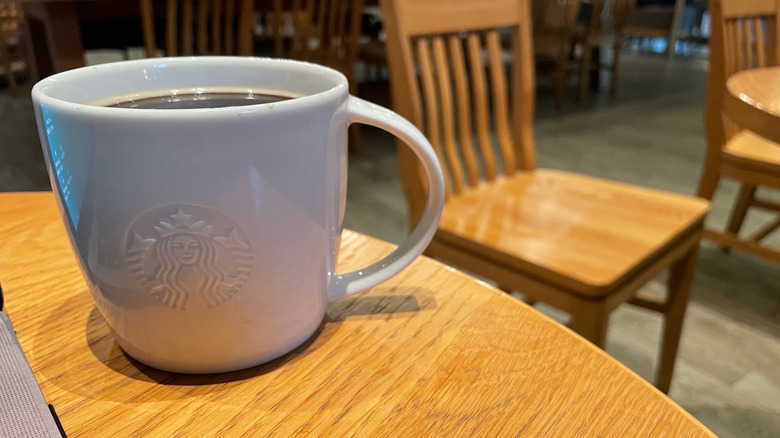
point(679, 8)
point(585, 65)
point(613, 77)
point(746, 195)
point(595, 70)
point(680, 280)
point(562, 67)
point(710, 176)
point(590, 320)
point(5, 60)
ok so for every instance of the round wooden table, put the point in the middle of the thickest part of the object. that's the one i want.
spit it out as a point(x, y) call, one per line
point(752, 100)
point(432, 352)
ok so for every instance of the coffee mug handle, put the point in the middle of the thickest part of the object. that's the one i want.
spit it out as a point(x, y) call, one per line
point(360, 111)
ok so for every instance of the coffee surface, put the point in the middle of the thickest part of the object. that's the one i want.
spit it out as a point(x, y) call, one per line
point(200, 100)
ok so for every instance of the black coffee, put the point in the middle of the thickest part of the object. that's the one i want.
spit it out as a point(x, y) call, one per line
point(202, 100)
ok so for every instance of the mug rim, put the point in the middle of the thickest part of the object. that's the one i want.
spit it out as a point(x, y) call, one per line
point(39, 90)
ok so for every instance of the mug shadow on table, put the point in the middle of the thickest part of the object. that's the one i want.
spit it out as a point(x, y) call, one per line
point(89, 380)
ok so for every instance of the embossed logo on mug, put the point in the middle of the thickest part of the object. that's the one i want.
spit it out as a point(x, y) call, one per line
point(186, 253)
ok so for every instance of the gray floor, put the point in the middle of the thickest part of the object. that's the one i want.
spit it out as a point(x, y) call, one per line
point(728, 370)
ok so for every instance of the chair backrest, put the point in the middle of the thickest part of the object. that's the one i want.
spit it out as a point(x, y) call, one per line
point(201, 27)
point(450, 44)
point(744, 35)
point(321, 31)
point(291, 24)
point(10, 17)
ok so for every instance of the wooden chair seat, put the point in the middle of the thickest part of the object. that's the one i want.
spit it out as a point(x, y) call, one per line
point(549, 224)
point(747, 149)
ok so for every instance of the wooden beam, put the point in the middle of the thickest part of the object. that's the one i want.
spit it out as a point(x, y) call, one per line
point(731, 241)
point(765, 231)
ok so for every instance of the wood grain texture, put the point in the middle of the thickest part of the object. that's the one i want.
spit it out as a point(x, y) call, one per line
point(447, 112)
point(477, 71)
point(499, 98)
point(592, 232)
point(741, 8)
point(432, 120)
point(466, 15)
point(429, 352)
point(464, 108)
point(434, 90)
point(447, 87)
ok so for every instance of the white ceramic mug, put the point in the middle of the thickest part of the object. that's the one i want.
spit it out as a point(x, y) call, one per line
point(209, 237)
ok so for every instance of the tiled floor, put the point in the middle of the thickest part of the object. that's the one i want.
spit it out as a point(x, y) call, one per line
point(728, 370)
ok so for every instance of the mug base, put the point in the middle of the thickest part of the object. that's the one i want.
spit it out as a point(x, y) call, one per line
point(214, 367)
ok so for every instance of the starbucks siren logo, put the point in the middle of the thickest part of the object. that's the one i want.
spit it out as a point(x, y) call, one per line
point(188, 255)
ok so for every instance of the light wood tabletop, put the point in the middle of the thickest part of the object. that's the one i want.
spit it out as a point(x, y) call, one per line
point(752, 101)
point(431, 352)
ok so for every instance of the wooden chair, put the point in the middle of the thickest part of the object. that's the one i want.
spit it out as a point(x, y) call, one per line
point(10, 17)
point(325, 32)
point(321, 31)
point(607, 21)
point(657, 22)
point(293, 27)
point(744, 35)
point(202, 27)
point(582, 244)
point(554, 25)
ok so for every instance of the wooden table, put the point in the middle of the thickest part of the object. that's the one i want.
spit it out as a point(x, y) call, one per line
point(752, 101)
point(431, 352)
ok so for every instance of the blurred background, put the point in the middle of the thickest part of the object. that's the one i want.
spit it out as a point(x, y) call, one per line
point(623, 101)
